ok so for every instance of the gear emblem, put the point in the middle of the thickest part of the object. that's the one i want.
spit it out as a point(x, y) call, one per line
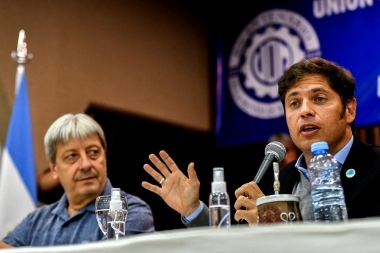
point(268, 45)
point(268, 56)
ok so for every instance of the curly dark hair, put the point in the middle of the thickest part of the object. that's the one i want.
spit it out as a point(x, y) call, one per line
point(339, 78)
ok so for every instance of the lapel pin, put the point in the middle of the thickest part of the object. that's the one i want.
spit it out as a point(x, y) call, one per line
point(350, 173)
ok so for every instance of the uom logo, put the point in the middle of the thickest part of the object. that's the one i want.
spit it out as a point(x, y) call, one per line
point(268, 45)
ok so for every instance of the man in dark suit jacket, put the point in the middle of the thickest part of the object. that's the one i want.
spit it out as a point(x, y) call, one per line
point(364, 160)
point(319, 103)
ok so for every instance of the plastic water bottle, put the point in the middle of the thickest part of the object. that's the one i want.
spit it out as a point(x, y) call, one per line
point(219, 202)
point(327, 193)
point(115, 217)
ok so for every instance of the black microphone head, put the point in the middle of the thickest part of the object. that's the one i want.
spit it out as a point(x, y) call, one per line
point(277, 149)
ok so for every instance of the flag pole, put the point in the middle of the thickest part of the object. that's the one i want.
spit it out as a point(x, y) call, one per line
point(21, 57)
point(18, 186)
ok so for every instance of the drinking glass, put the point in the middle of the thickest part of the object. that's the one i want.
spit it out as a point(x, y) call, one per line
point(102, 206)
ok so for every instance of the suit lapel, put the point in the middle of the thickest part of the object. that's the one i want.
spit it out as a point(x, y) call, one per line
point(357, 171)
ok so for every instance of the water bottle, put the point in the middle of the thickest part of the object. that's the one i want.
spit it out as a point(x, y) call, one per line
point(115, 217)
point(219, 202)
point(327, 193)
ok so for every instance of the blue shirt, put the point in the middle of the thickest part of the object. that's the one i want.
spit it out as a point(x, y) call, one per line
point(51, 225)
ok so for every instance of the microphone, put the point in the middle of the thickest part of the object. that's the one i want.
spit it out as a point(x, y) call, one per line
point(274, 152)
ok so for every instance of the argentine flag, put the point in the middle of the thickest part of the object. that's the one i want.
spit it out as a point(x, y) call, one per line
point(18, 190)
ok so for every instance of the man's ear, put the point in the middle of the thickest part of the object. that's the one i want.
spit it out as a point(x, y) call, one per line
point(351, 110)
point(53, 170)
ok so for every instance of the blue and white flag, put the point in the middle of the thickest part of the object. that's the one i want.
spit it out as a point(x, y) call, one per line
point(18, 190)
point(260, 43)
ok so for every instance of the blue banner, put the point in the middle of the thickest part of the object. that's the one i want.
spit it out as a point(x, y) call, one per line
point(257, 46)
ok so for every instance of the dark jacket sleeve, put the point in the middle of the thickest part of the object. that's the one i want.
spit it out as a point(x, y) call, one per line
point(201, 220)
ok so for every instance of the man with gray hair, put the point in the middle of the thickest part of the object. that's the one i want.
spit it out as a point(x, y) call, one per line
point(75, 146)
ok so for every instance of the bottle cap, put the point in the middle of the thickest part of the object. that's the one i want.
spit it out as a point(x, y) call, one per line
point(218, 174)
point(321, 145)
point(218, 184)
point(115, 202)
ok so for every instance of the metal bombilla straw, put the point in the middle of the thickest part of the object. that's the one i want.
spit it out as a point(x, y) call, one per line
point(276, 183)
